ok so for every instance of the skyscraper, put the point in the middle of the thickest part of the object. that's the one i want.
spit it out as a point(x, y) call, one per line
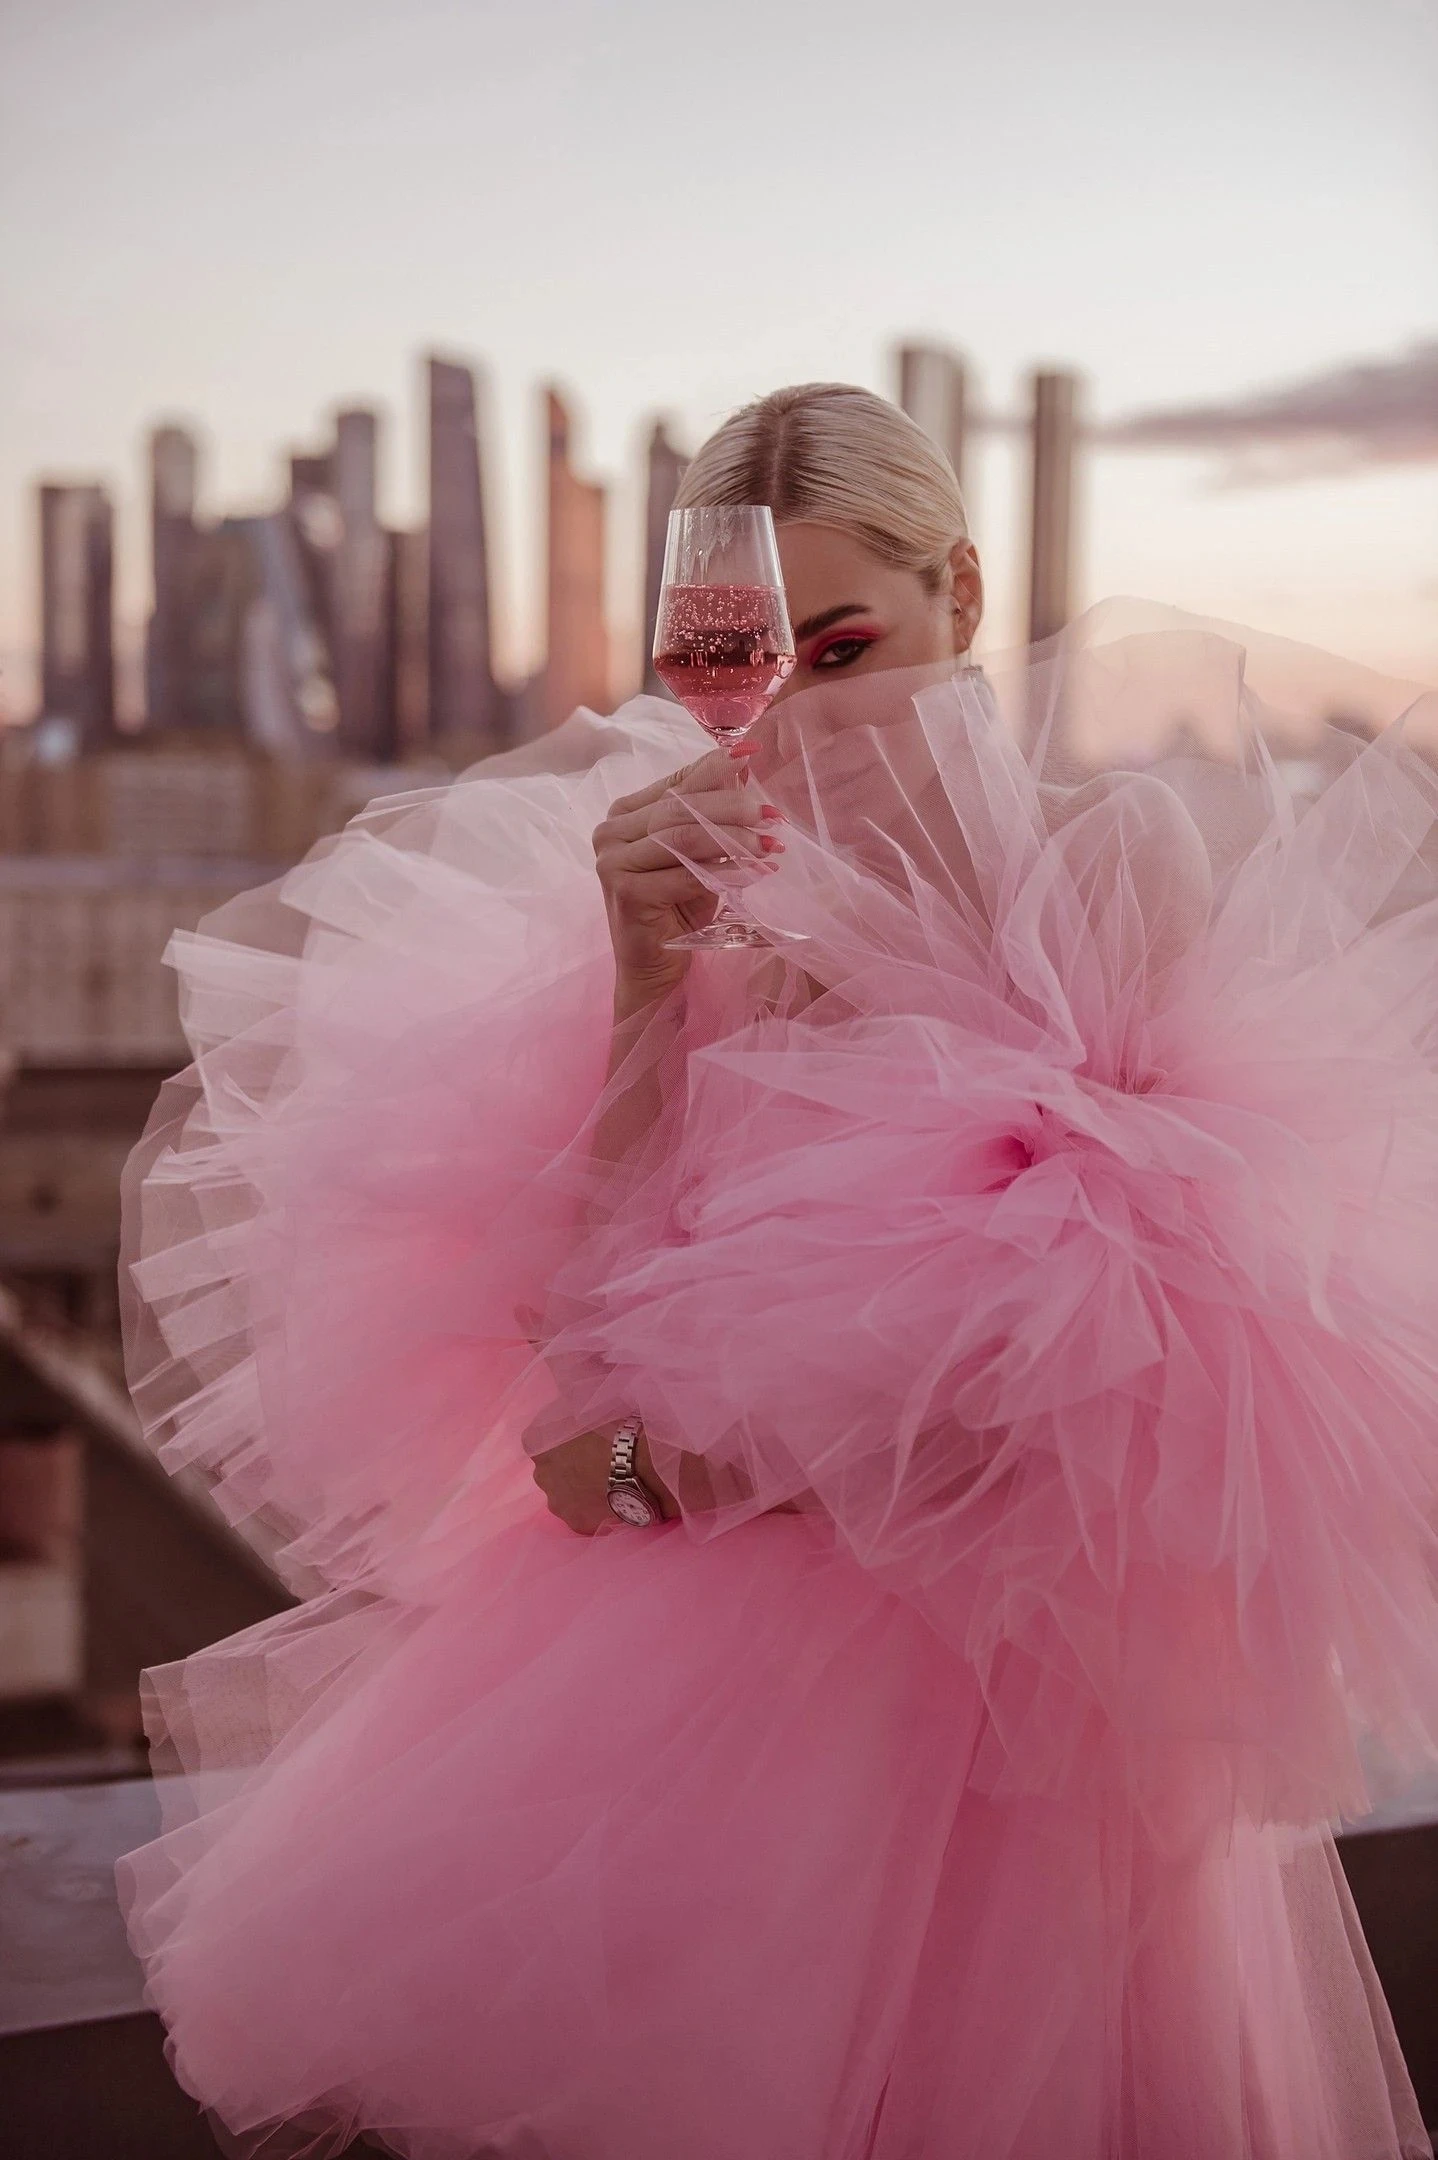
point(665, 467)
point(409, 640)
point(462, 695)
point(286, 688)
point(312, 505)
point(576, 669)
point(77, 644)
point(224, 583)
point(360, 600)
point(174, 467)
point(1051, 542)
point(933, 390)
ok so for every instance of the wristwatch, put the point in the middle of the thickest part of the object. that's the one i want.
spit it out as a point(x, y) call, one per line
point(630, 1500)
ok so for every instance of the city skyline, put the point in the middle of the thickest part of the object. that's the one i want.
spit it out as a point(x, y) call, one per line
point(1186, 212)
point(373, 638)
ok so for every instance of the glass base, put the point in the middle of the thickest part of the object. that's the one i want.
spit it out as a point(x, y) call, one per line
point(731, 933)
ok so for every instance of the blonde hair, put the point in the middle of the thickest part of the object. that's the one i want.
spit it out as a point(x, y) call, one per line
point(836, 455)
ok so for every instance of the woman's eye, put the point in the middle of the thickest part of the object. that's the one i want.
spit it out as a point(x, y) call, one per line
point(842, 652)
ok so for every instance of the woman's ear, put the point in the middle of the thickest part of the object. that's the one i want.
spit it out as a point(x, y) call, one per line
point(967, 593)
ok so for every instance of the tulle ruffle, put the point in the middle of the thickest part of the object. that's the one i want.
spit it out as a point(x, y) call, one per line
point(337, 1234)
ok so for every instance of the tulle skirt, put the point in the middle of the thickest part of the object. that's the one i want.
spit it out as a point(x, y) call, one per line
point(642, 1848)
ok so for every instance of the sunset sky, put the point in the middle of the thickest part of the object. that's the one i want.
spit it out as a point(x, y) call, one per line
point(243, 218)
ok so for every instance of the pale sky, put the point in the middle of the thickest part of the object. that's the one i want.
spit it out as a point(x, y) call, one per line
point(243, 217)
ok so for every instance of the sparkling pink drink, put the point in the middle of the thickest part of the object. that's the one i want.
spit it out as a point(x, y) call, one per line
point(724, 650)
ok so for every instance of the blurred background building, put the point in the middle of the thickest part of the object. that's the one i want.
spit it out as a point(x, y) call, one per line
point(77, 628)
point(663, 471)
point(577, 662)
point(448, 688)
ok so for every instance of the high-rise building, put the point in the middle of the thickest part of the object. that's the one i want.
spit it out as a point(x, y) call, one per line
point(287, 692)
point(933, 391)
point(174, 469)
point(77, 643)
point(576, 669)
point(409, 639)
point(665, 469)
point(312, 506)
point(360, 600)
point(226, 578)
point(311, 473)
point(463, 700)
point(1051, 542)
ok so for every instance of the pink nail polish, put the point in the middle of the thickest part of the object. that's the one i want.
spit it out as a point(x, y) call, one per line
point(774, 816)
point(770, 844)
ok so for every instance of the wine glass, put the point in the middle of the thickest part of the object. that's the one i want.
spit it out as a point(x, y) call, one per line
point(723, 645)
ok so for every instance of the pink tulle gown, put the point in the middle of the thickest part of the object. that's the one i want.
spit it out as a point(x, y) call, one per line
point(1029, 1288)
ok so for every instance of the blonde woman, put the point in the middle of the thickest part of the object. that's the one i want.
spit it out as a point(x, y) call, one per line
point(997, 1347)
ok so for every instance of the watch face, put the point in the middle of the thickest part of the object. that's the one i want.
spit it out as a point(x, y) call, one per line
point(630, 1506)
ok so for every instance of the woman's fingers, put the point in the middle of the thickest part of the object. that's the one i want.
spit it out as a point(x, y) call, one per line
point(658, 850)
point(643, 851)
point(730, 808)
point(715, 770)
point(708, 826)
point(674, 887)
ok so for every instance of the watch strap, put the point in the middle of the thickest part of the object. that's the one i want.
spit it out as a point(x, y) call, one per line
point(622, 1474)
point(623, 1448)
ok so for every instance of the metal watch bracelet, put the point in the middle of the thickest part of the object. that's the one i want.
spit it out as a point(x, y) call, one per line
point(630, 1500)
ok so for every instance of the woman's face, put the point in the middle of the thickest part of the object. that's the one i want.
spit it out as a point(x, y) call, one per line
point(855, 615)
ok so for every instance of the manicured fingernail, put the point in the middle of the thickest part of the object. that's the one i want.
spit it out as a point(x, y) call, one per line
point(770, 844)
point(742, 749)
point(774, 816)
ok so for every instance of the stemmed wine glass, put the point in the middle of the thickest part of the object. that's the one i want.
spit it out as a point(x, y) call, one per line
point(723, 645)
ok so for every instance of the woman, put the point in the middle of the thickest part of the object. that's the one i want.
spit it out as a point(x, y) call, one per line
point(1025, 1299)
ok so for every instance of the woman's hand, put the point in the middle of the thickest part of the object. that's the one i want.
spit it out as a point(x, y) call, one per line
point(574, 1479)
point(649, 896)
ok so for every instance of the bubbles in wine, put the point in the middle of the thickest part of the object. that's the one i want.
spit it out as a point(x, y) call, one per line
point(724, 651)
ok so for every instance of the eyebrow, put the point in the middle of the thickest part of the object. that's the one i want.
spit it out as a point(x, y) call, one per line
point(813, 624)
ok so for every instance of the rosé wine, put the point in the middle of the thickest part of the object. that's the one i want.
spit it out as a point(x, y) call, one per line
point(724, 650)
